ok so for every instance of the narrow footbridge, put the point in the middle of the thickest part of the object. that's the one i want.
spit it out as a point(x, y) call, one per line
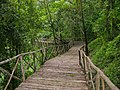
point(58, 67)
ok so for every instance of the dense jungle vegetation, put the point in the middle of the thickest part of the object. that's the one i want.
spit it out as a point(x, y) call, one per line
point(97, 22)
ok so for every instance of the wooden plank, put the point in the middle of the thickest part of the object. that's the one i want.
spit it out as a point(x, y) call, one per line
point(62, 73)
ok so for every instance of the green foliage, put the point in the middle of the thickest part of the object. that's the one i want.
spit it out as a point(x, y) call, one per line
point(23, 23)
point(107, 57)
point(104, 49)
point(95, 46)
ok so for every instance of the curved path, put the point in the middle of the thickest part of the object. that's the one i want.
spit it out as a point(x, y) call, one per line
point(60, 73)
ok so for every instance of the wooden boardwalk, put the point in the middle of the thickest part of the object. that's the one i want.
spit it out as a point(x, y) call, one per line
point(60, 73)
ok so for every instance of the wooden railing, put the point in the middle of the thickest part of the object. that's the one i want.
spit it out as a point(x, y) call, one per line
point(31, 61)
point(96, 79)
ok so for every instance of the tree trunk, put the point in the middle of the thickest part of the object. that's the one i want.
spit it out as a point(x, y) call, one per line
point(84, 28)
point(50, 20)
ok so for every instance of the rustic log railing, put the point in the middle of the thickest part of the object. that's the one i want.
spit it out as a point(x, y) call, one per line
point(96, 79)
point(31, 61)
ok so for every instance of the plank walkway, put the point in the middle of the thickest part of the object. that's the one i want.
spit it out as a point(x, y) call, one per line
point(60, 73)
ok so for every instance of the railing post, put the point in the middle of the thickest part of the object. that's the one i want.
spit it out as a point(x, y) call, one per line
point(68, 46)
point(57, 50)
point(42, 57)
point(34, 61)
point(97, 81)
point(45, 54)
point(103, 84)
point(53, 50)
point(93, 87)
point(83, 56)
point(79, 58)
point(73, 43)
point(11, 74)
point(86, 69)
point(82, 60)
point(22, 68)
point(63, 48)
point(85, 63)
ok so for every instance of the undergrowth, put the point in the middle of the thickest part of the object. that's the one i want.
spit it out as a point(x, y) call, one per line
point(107, 57)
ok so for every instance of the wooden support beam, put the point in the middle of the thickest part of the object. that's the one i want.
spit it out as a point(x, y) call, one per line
point(79, 58)
point(91, 78)
point(99, 74)
point(22, 68)
point(103, 84)
point(11, 74)
point(34, 62)
point(97, 82)
point(8, 73)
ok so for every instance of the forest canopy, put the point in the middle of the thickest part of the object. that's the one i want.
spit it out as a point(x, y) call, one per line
point(23, 23)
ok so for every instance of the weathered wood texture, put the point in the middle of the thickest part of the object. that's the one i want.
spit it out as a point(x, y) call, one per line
point(70, 71)
point(97, 80)
point(34, 60)
point(60, 73)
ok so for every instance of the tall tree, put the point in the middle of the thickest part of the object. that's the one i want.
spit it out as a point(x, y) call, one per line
point(83, 24)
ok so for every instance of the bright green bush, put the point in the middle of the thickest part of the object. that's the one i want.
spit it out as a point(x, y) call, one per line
point(107, 57)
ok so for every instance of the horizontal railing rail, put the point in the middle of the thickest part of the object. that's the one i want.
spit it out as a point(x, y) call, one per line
point(96, 79)
point(30, 61)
